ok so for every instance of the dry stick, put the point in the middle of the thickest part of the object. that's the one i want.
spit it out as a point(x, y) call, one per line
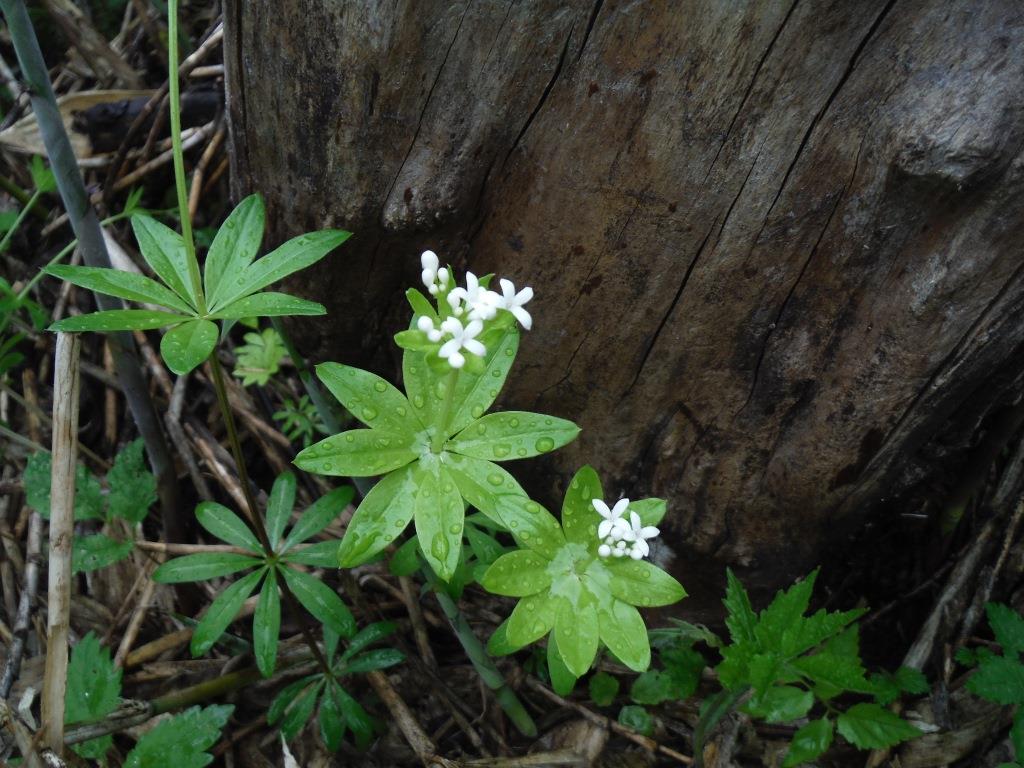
point(135, 624)
point(174, 429)
point(419, 628)
point(190, 549)
point(62, 526)
point(647, 743)
point(87, 230)
point(200, 171)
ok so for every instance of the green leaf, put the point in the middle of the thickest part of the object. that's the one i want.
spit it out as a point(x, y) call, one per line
point(132, 485)
point(42, 177)
point(741, 618)
point(380, 518)
point(639, 582)
point(124, 285)
point(222, 611)
point(684, 665)
point(637, 719)
point(622, 629)
point(781, 621)
point(371, 399)
point(118, 320)
point(838, 671)
point(381, 658)
point(164, 251)
point(809, 742)
point(517, 574)
point(579, 518)
point(562, 680)
point(186, 736)
point(531, 619)
point(90, 553)
point(870, 726)
point(911, 681)
point(576, 630)
point(88, 494)
point(813, 630)
point(406, 560)
point(269, 304)
point(227, 526)
point(513, 435)
point(781, 704)
point(323, 554)
point(286, 698)
point(93, 682)
point(202, 566)
point(187, 345)
point(356, 719)
point(651, 511)
point(1017, 734)
point(234, 247)
point(319, 515)
point(603, 689)
point(1008, 627)
point(359, 453)
point(367, 636)
point(439, 518)
point(485, 547)
point(266, 625)
point(999, 679)
point(321, 601)
point(259, 358)
point(474, 394)
point(330, 718)
point(651, 688)
point(300, 711)
point(279, 506)
point(296, 254)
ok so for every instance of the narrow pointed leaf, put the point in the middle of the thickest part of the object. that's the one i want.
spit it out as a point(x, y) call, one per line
point(164, 251)
point(323, 554)
point(124, 285)
point(579, 518)
point(374, 401)
point(381, 658)
point(202, 566)
point(380, 518)
point(367, 636)
point(266, 625)
point(439, 519)
point(222, 612)
point(227, 526)
point(234, 247)
point(319, 515)
point(513, 435)
point(359, 453)
point(188, 345)
point(476, 393)
point(118, 320)
point(330, 718)
point(321, 601)
point(269, 304)
point(279, 506)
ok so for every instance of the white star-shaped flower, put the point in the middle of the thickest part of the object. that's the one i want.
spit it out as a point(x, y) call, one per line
point(462, 338)
point(482, 303)
point(612, 517)
point(514, 302)
point(639, 534)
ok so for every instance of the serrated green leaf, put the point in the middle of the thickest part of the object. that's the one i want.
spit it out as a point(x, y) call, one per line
point(651, 688)
point(576, 631)
point(807, 633)
point(118, 320)
point(380, 518)
point(93, 682)
point(222, 610)
point(323, 554)
point(637, 719)
point(233, 248)
point(911, 681)
point(188, 345)
point(227, 526)
point(371, 399)
point(186, 736)
point(88, 494)
point(124, 285)
point(202, 566)
point(359, 453)
point(475, 393)
point(809, 742)
point(603, 689)
point(259, 358)
point(164, 251)
point(684, 665)
point(279, 506)
point(886, 691)
point(780, 623)
point(1008, 627)
point(780, 704)
point(321, 601)
point(266, 625)
point(89, 553)
point(579, 518)
point(513, 435)
point(439, 517)
point(294, 255)
point(870, 726)
point(999, 679)
point(833, 673)
point(741, 618)
point(132, 485)
point(269, 304)
point(639, 582)
point(518, 574)
point(319, 515)
point(622, 629)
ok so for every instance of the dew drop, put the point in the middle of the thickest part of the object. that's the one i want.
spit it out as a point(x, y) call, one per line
point(481, 429)
point(496, 373)
point(417, 400)
point(532, 507)
point(350, 438)
point(448, 488)
point(513, 422)
point(369, 414)
point(439, 546)
point(494, 478)
point(400, 410)
point(380, 386)
point(477, 411)
point(502, 450)
point(521, 451)
point(455, 529)
point(509, 352)
point(544, 444)
point(440, 389)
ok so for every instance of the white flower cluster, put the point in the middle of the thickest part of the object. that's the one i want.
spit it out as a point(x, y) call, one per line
point(620, 537)
point(475, 303)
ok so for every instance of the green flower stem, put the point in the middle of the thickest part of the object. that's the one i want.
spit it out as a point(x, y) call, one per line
point(718, 706)
point(441, 433)
point(179, 159)
point(482, 662)
point(8, 186)
point(86, 226)
point(18, 221)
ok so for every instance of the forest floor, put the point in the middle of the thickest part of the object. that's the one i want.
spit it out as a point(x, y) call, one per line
point(109, 68)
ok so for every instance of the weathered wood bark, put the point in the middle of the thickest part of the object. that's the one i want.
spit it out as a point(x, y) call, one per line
point(776, 245)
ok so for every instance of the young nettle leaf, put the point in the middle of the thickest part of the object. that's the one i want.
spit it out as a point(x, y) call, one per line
point(281, 563)
point(93, 691)
point(132, 487)
point(259, 358)
point(228, 291)
point(569, 588)
point(182, 739)
point(603, 689)
point(637, 719)
point(338, 711)
point(433, 444)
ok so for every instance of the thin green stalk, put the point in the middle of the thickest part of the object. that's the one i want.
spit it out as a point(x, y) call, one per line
point(21, 218)
point(441, 433)
point(86, 227)
point(179, 159)
point(22, 197)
